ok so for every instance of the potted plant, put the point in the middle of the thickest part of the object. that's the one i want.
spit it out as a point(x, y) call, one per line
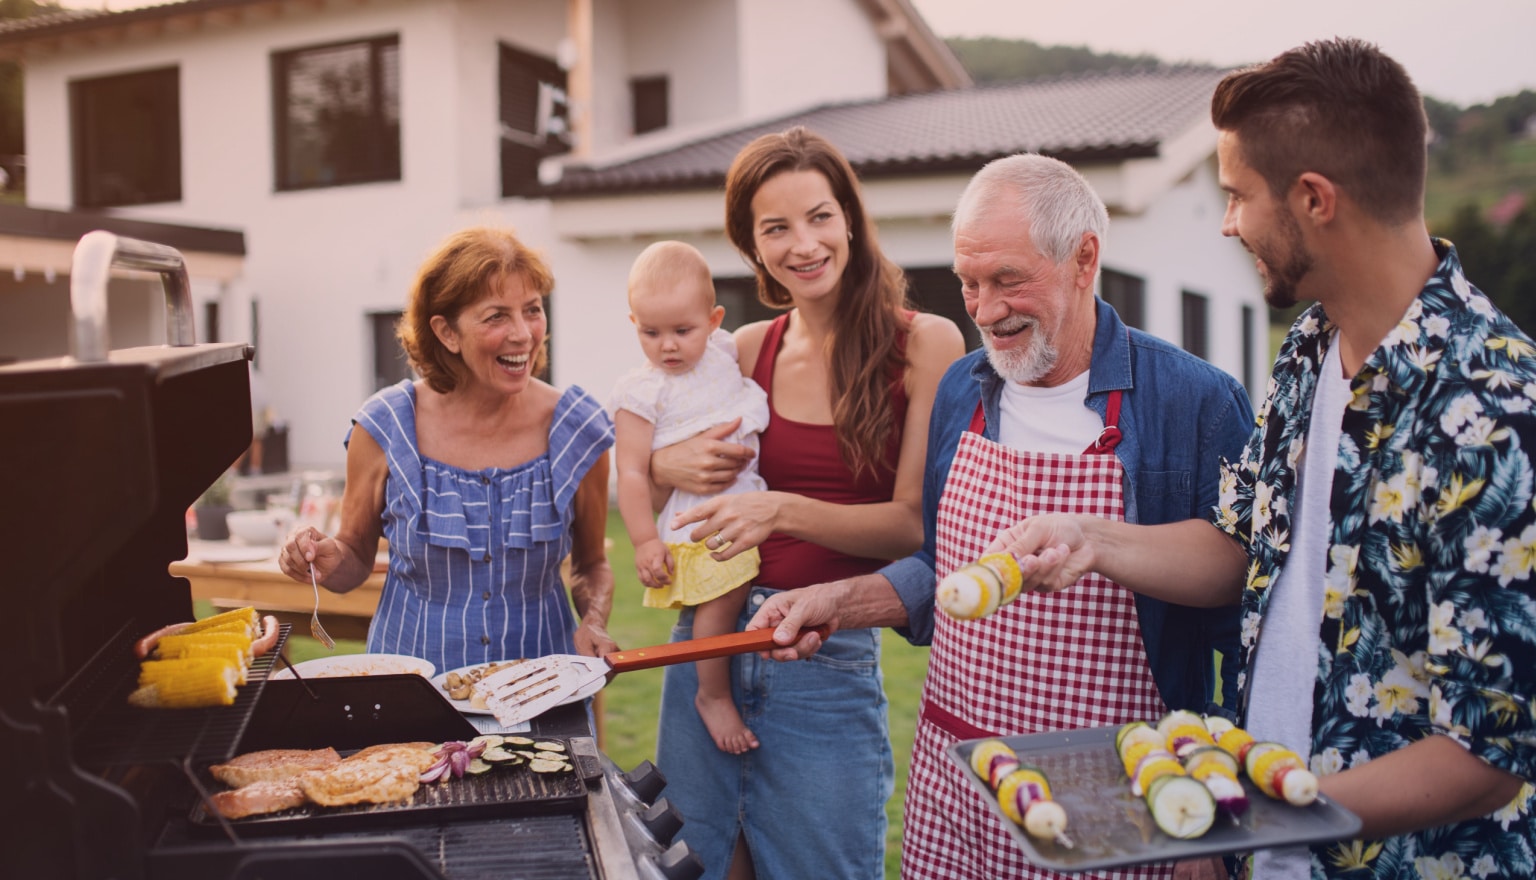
point(212, 508)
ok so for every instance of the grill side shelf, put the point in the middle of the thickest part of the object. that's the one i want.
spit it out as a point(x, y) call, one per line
point(112, 733)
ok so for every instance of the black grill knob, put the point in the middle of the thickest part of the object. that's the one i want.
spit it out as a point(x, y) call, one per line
point(662, 820)
point(680, 863)
point(645, 781)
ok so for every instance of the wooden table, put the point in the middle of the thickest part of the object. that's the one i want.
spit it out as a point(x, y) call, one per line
point(262, 584)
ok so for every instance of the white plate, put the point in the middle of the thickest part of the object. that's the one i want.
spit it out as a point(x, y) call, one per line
point(359, 664)
point(465, 707)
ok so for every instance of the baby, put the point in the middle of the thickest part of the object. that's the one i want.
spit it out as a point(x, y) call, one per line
point(691, 382)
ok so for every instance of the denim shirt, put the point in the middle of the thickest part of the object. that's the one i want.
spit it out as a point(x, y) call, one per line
point(1180, 417)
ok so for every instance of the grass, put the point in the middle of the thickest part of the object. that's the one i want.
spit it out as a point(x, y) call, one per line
point(629, 704)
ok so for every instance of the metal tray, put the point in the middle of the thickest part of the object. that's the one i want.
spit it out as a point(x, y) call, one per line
point(1109, 827)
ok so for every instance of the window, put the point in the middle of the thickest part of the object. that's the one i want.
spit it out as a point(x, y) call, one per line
point(648, 103)
point(126, 134)
point(937, 290)
point(210, 322)
point(739, 297)
point(1128, 295)
point(337, 114)
point(1195, 310)
point(534, 117)
point(390, 365)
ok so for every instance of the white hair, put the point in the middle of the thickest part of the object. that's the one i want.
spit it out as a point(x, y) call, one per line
point(1052, 196)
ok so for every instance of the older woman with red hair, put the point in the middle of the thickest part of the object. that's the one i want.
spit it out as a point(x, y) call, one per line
point(482, 476)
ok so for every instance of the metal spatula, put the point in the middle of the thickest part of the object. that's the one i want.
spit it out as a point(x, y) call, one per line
point(530, 688)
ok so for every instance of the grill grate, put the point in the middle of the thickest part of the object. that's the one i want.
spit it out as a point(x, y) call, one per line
point(503, 792)
point(112, 733)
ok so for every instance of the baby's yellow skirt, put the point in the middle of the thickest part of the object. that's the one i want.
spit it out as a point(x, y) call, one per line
point(699, 577)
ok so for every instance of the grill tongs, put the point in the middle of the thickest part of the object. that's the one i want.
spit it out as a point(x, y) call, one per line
point(533, 687)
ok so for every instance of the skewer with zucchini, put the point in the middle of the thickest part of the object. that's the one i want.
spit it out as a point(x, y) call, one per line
point(1022, 790)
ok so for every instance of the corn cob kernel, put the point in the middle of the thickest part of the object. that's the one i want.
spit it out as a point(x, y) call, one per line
point(247, 615)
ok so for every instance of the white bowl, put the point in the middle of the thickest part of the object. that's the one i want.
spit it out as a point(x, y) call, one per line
point(256, 526)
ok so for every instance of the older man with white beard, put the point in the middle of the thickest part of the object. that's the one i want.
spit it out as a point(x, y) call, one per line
point(1064, 409)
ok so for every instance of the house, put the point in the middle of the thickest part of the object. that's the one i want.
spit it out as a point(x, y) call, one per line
point(1143, 139)
point(345, 138)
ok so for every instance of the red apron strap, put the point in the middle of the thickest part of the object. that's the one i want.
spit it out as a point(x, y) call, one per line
point(1108, 439)
point(950, 723)
point(979, 420)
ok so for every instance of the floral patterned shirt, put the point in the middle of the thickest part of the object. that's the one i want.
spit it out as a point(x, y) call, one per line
point(1429, 621)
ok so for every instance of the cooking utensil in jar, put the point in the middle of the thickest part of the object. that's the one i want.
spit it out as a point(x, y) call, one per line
point(530, 688)
point(315, 629)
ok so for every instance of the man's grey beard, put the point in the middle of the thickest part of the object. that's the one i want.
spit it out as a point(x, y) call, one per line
point(1025, 366)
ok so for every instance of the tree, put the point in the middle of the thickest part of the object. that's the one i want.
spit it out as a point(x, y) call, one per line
point(1497, 260)
point(12, 140)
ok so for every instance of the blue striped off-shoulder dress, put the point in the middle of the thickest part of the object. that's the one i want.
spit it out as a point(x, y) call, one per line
point(474, 556)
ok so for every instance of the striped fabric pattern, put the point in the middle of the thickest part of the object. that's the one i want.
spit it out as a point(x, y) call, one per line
point(474, 562)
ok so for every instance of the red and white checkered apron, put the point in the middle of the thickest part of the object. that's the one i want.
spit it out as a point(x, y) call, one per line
point(1043, 662)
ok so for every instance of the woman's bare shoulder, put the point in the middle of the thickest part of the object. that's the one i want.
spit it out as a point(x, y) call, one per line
point(749, 341)
point(934, 340)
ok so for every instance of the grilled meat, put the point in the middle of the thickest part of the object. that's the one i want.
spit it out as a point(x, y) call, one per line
point(272, 765)
point(361, 782)
point(417, 755)
point(258, 798)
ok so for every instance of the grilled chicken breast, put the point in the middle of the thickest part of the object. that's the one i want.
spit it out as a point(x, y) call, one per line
point(361, 782)
point(258, 798)
point(272, 765)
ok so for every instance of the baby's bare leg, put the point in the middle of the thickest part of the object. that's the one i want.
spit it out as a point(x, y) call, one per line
point(716, 708)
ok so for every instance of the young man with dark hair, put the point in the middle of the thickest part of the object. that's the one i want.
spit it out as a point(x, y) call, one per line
point(1379, 528)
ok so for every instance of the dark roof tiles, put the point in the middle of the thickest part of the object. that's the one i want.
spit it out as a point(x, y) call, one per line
point(1107, 115)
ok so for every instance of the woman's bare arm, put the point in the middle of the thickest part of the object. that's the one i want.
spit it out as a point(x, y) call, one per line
point(343, 562)
point(591, 581)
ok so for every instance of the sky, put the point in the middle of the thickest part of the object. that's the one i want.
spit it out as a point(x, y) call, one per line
point(1467, 52)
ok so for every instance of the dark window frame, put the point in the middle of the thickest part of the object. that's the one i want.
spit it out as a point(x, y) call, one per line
point(650, 103)
point(1195, 323)
point(1127, 294)
point(159, 138)
point(390, 362)
point(533, 126)
point(382, 161)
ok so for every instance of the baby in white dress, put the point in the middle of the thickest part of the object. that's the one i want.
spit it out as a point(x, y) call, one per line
point(691, 381)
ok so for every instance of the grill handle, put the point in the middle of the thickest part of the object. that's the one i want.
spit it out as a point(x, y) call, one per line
point(95, 255)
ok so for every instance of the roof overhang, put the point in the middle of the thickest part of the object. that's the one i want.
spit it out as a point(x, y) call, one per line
point(916, 59)
point(84, 29)
point(43, 241)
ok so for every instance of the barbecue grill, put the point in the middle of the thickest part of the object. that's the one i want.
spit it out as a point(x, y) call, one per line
point(103, 451)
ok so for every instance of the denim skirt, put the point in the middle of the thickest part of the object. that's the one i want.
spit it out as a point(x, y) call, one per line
point(810, 799)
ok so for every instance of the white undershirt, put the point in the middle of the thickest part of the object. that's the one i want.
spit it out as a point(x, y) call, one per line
point(1054, 419)
point(1285, 664)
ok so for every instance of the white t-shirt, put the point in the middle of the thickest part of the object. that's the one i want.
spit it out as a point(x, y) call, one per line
point(1285, 663)
point(1036, 419)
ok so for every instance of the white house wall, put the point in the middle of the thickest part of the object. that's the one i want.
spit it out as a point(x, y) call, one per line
point(317, 260)
point(1175, 245)
point(794, 48)
point(693, 43)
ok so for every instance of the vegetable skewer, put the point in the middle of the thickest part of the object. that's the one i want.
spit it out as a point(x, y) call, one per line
point(1022, 790)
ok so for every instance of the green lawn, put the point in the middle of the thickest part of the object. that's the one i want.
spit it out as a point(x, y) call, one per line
point(630, 702)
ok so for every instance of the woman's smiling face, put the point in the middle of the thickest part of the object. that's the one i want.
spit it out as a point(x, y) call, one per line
point(499, 336)
point(801, 233)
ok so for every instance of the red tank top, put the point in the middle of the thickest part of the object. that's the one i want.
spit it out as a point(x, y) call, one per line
point(803, 458)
